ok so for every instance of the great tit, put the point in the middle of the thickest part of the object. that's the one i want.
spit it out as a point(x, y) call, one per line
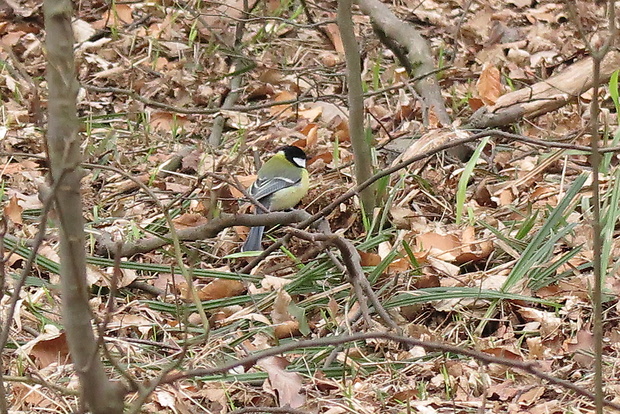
point(281, 183)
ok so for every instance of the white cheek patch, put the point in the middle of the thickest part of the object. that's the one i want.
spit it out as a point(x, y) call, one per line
point(300, 162)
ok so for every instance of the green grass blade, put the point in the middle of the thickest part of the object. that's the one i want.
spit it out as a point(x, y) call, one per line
point(531, 252)
point(464, 180)
point(445, 293)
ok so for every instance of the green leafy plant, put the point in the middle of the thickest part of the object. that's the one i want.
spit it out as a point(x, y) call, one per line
point(537, 263)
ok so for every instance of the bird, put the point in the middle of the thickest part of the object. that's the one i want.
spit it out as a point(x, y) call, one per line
point(280, 184)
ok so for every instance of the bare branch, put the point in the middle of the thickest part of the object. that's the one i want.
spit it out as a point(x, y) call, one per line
point(209, 230)
point(544, 96)
point(531, 367)
point(415, 56)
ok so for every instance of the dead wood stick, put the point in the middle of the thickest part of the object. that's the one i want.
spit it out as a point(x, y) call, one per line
point(544, 96)
point(205, 231)
point(413, 52)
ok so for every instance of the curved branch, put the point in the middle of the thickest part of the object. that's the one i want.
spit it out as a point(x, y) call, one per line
point(544, 96)
point(412, 51)
point(531, 367)
point(206, 231)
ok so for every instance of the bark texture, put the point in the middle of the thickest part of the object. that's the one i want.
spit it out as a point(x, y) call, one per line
point(412, 51)
point(99, 394)
point(361, 147)
point(545, 96)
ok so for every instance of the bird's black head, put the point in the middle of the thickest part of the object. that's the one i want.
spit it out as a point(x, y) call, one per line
point(295, 155)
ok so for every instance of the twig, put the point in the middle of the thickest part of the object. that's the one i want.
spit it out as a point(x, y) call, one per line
point(215, 139)
point(412, 51)
point(211, 229)
point(268, 410)
point(352, 273)
point(249, 108)
point(598, 55)
point(355, 272)
point(147, 342)
point(146, 287)
point(3, 229)
point(41, 381)
point(101, 327)
point(265, 253)
point(248, 361)
point(457, 29)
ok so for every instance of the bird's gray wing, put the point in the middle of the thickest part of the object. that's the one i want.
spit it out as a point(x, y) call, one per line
point(263, 188)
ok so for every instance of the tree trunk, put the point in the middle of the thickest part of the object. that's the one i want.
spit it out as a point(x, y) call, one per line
point(100, 395)
point(361, 147)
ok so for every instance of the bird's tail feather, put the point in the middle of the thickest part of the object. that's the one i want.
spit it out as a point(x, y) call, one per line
point(254, 240)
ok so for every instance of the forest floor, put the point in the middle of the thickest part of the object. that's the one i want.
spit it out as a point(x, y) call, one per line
point(492, 255)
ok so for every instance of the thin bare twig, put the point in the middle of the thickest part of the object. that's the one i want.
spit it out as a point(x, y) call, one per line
point(249, 108)
point(596, 157)
point(215, 139)
point(102, 326)
point(3, 229)
point(355, 273)
point(531, 367)
point(38, 240)
point(268, 410)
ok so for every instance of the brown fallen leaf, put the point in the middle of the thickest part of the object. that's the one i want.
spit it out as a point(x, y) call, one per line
point(583, 341)
point(342, 131)
point(399, 266)
point(333, 32)
point(369, 259)
point(221, 288)
point(326, 157)
point(473, 249)
point(118, 15)
point(311, 113)
point(287, 329)
point(27, 396)
point(502, 352)
point(48, 348)
point(287, 385)
point(280, 312)
point(530, 396)
point(166, 121)
point(13, 210)
point(442, 246)
point(475, 103)
point(282, 111)
point(489, 85)
point(548, 407)
point(406, 395)
point(311, 132)
point(188, 220)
